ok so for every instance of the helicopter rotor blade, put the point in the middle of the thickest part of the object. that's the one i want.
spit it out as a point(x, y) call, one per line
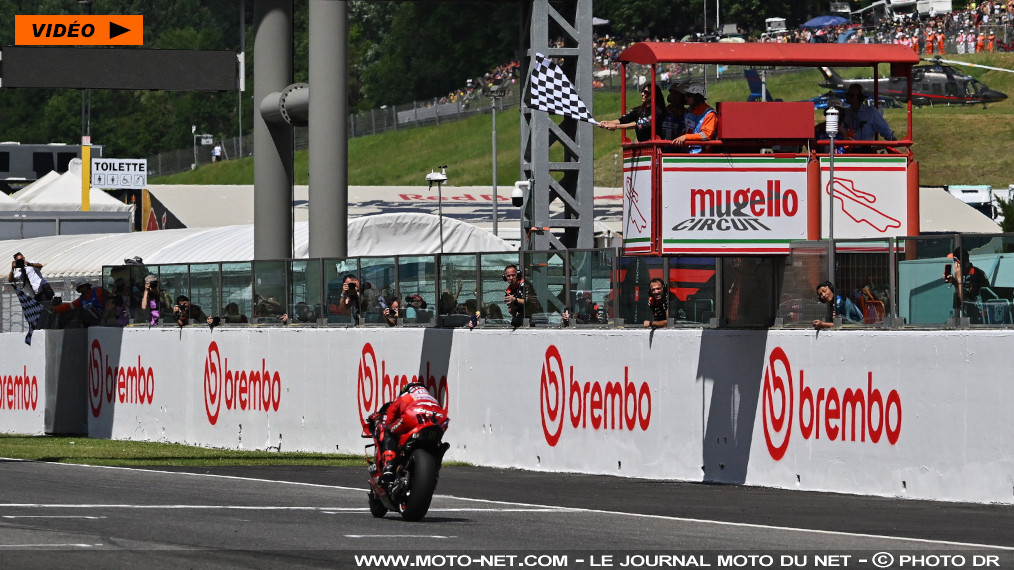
point(951, 61)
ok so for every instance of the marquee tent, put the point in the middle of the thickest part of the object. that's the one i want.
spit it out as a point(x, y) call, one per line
point(63, 192)
point(386, 234)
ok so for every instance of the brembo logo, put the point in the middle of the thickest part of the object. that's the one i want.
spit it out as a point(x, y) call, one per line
point(19, 391)
point(256, 389)
point(738, 210)
point(376, 386)
point(851, 415)
point(132, 384)
point(612, 405)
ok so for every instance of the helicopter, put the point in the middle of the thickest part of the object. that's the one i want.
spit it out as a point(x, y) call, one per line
point(932, 84)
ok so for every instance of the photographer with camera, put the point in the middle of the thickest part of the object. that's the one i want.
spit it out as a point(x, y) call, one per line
point(185, 312)
point(392, 310)
point(26, 275)
point(350, 303)
point(153, 300)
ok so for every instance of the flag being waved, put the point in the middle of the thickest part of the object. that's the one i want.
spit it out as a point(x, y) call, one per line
point(552, 92)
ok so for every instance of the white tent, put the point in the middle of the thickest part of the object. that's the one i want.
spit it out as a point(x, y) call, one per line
point(64, 193)
point(8, 204)
point(389, 234)
point(32, 189)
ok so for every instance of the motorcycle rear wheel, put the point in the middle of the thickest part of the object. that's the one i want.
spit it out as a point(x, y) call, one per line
point(377, 508)
point(422, 483)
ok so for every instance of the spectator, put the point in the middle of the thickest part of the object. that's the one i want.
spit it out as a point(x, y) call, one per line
point(844, 130)
point(185, 312)
point(89, 305)
point(700, 120)
point(154, 300)
point(642, 117)
point(968, 282)
point(117, 310)
point(216, 153)
point(515, 295)
point(304, 313)
point(26, 275)
point(864, 121)
point(673, 124)
point(658, 304)
point(350, 303)
point(392, 312)
point(840, 307)
point(232, 315)
point(269, 308)
point(415, 309)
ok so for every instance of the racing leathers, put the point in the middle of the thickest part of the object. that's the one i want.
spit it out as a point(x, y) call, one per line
point(413, 409)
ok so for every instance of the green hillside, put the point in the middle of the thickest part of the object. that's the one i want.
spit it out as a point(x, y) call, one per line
point(954, 145)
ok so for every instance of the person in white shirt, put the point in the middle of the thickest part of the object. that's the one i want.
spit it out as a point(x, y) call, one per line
point(26, 275)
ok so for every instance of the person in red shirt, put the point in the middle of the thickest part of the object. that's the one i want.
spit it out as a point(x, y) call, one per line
point(410, 410)
point(89, 305)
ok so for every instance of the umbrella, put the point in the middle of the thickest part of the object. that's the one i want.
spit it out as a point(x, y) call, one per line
point(825, 21)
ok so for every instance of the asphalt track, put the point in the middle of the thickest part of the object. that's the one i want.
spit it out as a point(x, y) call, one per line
point(56, 515)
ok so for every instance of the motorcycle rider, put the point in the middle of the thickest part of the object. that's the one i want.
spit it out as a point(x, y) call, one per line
point(414, 406)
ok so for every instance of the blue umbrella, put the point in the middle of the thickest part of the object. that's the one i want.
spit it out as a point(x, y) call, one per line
point(825, 21)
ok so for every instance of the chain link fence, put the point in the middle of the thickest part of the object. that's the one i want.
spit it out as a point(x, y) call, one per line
point(364, 123)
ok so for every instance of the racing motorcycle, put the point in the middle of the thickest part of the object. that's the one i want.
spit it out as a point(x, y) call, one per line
point(420, 453)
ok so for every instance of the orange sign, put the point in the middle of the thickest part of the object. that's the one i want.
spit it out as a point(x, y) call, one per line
point(66, 30)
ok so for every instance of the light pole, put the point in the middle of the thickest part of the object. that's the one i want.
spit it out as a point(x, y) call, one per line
point(439, 178)
point(193, 131)
point(496, 93)
point(86, 94)
point(832, 131)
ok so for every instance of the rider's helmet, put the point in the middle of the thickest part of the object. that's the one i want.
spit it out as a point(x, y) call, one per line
point(409, 386)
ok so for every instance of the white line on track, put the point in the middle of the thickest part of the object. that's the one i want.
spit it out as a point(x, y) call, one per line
point(51, 517)
point(396, 537)
point(553, 508)
point(65, 545)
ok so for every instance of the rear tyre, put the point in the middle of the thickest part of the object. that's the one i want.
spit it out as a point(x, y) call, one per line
point(422, 483)
point(377, 508)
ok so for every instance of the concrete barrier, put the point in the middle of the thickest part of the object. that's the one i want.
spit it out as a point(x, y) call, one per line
point(919, 414)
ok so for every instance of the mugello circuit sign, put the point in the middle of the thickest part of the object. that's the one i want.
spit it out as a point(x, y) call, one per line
point(610, 405)
point(852, 415)
point(727, 205)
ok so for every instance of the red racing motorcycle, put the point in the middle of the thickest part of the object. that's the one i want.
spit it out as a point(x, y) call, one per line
point(420, 453)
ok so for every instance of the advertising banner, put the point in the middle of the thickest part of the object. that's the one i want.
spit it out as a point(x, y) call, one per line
point(729, 205)
point(847, 411)
point(23, 384)
point(870, 197)
point(638, 222)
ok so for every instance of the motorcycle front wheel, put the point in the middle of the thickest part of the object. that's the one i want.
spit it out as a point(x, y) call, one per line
point(422, 483)
point(377, 508)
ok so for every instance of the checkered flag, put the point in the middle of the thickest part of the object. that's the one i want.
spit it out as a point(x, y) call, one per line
point(552, 92)
point(31, 309)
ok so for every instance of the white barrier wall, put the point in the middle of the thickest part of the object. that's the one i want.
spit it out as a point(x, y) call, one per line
point(921, 414)
point(23, 384)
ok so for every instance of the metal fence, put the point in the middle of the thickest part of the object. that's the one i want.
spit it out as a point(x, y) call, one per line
point(364, 123)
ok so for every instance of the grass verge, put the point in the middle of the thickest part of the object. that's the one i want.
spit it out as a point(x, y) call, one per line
point(82, 450)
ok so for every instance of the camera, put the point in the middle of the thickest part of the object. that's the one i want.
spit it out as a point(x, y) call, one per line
point(20, 263)
point(352, 287)
point(153, 284)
